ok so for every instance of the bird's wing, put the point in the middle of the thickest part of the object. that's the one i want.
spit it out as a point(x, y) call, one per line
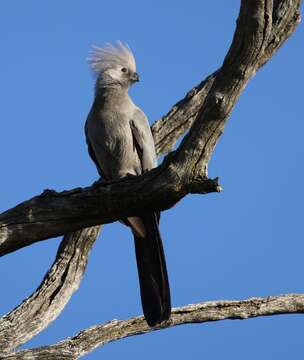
point(150, 257)
point(91, 151)
point(143, 140)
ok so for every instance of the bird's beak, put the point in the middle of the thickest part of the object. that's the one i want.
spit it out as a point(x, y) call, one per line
point(135, 77)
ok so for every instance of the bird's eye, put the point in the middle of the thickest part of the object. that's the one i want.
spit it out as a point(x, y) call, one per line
point(124, 70)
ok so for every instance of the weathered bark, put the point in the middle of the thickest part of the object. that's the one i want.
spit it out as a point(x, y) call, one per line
point(262, 28)
point(46, 303)
point(99, 335)
point(53, 214)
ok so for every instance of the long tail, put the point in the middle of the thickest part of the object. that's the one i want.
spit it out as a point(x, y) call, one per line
point(152, 270)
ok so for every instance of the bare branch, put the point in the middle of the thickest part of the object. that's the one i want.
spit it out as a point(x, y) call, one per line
point(99, 335)
point(167, 130)
point(46, 303)
point(53, 214)
point(253, 30)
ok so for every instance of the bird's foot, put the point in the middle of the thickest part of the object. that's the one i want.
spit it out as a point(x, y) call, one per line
point(130, 176)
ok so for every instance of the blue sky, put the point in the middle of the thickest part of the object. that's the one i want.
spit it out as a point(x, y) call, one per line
point(244, 242)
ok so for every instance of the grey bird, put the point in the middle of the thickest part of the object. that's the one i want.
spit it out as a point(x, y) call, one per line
point(120, 143)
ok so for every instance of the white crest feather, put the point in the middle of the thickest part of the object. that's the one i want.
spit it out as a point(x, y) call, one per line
point(110, 55)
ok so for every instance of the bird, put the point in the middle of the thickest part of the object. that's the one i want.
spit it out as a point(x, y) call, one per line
point(121, 144)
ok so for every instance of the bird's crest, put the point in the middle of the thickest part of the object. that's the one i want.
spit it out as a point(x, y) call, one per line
point(110, 55)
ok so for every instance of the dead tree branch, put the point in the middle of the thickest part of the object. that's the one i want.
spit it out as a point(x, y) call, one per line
point(37, 311)
point(88, 340)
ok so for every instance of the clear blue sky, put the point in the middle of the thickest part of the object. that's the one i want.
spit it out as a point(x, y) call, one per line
point(247, 241)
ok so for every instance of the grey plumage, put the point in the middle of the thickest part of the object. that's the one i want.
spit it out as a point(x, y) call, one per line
point(120, 143)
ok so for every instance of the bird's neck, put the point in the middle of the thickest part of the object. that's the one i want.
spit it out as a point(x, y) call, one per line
point(105, 96)
point(111, 91)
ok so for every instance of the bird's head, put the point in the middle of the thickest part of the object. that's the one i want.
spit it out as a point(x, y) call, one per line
point(114, 65)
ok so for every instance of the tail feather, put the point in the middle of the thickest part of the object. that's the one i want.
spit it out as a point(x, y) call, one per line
point(152, 272)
